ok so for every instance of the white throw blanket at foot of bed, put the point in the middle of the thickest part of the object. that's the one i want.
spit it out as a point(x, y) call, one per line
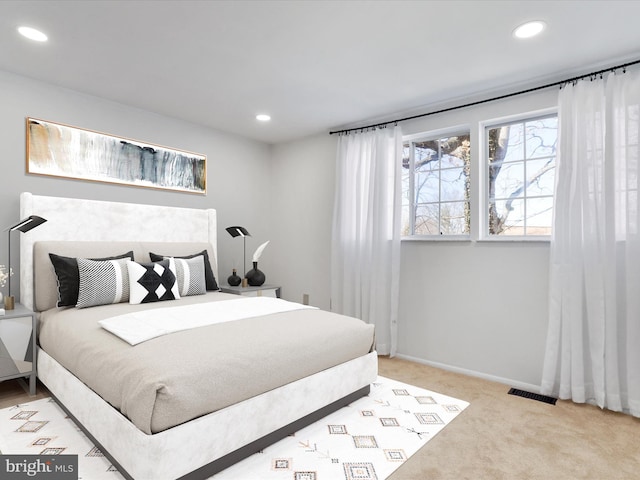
point(138, 327)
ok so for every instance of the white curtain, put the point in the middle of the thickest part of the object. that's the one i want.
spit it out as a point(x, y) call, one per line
point(593, 344)
point(365, 253)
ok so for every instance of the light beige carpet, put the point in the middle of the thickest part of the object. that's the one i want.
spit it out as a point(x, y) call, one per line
point(502, 436)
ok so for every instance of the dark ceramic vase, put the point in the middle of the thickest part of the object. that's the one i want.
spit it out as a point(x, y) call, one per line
point(234, 280)
point(254, 276)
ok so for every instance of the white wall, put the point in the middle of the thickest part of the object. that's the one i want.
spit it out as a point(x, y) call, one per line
point(477, 307)
point(237, 169)
point(302, 178)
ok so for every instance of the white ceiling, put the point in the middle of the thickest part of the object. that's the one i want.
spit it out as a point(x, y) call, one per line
point(312, 65)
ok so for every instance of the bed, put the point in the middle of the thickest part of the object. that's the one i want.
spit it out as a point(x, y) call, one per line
point(188, 403)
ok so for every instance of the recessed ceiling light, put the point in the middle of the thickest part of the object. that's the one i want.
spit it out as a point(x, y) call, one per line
point(263, 117)
point(32, 34)
point(529, 29)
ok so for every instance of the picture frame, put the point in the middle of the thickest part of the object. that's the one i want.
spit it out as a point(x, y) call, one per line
point(59, 150)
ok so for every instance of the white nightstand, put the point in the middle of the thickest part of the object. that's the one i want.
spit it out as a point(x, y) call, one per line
point(261, 291)
point(18, 346)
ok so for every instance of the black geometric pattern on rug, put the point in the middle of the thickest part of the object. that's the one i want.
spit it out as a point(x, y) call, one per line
point(533, 396)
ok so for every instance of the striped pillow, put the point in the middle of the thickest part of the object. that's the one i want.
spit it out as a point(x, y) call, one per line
point(190, 275)
point(66, 269)
point(102, 282)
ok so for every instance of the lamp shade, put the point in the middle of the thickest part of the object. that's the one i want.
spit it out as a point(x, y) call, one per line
point(238, 232)
point(27, 224)
point(23, 226)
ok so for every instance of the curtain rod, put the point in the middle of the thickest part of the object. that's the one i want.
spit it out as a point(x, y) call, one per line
point(479, 102)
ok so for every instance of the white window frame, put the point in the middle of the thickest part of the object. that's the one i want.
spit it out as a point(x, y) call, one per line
point(428, 136)
point(483, 147)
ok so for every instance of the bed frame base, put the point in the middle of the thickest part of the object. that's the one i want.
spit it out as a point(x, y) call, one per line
point(262, 443)
point(171, 454)
point(79, 424)
point(240, 454)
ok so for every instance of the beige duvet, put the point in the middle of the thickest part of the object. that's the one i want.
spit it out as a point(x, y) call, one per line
point(174, 378)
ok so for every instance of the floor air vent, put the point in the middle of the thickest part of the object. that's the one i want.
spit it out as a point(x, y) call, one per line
point(533, 396)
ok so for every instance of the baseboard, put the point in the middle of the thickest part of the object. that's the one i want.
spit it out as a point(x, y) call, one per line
point(473, 373)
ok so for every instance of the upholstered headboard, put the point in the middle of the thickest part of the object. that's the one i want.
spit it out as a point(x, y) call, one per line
point(78, 220)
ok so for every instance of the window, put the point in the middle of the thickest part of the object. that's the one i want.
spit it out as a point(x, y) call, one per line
point(521, 174)
point(436, 185)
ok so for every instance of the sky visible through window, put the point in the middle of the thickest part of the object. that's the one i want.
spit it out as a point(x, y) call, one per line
point(521, 177)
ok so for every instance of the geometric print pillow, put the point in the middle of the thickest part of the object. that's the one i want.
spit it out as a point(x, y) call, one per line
point(152, 282)
point(102, 282)
point(190, 274)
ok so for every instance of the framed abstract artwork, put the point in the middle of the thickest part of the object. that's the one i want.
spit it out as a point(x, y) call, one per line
point(59, 150)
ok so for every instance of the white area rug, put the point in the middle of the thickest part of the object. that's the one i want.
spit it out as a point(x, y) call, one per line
point(366, 440)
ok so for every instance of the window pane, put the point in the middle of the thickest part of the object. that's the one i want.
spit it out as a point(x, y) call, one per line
point(456, 151)
point(427, 187)
point(510, 180)
point(521, 172)
point(449, 161)
point(453, 218)
point(495, 221)
point(541, 177)
point(427, 219)
point(541, 137)
point(496, 216)
point(515, 142)
point(426, 155)
point(405, 219)
point(539, 216)
point(441, 174)
point(453, 184)
point(513, 214)
point(506, 143)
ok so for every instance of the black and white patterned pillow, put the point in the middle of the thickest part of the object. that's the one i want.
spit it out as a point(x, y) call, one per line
point(210, 278)
point(190, 275)
point(66, 269)
point(152, 282)
point(102, 282)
